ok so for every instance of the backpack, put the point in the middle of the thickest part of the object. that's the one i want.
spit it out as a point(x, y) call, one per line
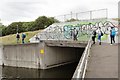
point(113, 32)
point(101, 33)
point(23, 36)
point(18, 36)
point(94, 33)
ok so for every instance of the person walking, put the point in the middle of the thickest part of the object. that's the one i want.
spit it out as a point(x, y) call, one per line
point(18, 37)
point(100, 34)
point(75, 33)
point(112, 35)
point(93, 36)
point(23, 38)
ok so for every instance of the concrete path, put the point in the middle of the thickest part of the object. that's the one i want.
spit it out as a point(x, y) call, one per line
point(108, 40)
point(103, 61)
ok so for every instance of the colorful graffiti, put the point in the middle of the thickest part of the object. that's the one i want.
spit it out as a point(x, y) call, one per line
point(86, 29)
point(63, 31)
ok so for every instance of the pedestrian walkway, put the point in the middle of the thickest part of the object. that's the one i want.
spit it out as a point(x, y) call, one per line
point(103, 61)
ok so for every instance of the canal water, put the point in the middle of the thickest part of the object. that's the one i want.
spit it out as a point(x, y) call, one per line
point(65, 71)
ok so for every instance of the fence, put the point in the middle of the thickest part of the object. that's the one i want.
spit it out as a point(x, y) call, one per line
point(88, 15)
point(81, 68)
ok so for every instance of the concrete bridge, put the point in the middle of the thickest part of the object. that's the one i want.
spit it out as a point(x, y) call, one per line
point(43, 55)
point(59, 49)
point(98, 62)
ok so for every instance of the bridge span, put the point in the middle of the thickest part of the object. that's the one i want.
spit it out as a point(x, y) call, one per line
point(56, 48)
point(43, 55)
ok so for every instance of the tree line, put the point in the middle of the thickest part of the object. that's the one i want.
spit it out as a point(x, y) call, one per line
point(40, 23)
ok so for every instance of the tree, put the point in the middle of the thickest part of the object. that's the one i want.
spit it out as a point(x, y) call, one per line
point(43, 22)
point(28, 25)
point(40, 23)
point(71, 20)
point(51, 20)
point(2, 27)
point(14, 28)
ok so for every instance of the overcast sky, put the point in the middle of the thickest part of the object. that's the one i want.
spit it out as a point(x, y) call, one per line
point(29, 10)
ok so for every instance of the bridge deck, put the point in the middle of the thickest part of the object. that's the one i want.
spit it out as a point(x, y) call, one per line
point(103, 61)
point(60, 43)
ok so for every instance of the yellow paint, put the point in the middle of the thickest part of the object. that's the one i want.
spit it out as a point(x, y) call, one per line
point(42, 51)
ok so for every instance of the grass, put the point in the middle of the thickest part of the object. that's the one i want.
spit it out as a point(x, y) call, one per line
point(11, 39)
point(87, 37)
point(83, 38)
point(104, 37)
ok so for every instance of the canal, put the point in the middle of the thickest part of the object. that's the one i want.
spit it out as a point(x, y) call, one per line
point(65, 71)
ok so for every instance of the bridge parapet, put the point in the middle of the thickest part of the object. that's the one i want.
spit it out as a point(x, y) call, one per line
point(64, 31)
point(82, 65)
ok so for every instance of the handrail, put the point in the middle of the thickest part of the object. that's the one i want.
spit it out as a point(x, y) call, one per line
point(82, 65)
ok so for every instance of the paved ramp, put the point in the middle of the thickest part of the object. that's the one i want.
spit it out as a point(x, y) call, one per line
point(103, 61)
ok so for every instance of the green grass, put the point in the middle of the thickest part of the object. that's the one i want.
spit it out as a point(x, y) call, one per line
point(83, 38)
point(11, 39)
point(87, 37)
point(104, 37)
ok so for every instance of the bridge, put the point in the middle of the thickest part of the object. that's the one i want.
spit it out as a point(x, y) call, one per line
point(55, 46)
point(98, 62)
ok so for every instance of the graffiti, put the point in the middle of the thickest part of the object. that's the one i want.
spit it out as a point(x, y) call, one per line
point(64, 31)
point(86, 29)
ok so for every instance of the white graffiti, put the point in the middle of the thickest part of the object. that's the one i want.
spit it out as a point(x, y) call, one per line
point(63, 31)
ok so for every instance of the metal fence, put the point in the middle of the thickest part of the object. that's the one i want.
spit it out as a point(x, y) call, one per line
point(87, 15)
point(82, 65)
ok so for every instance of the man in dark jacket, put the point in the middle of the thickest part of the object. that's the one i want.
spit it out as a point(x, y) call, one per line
point(18, 37)
point(23, 37)
point(75, 33)
point(94, 36)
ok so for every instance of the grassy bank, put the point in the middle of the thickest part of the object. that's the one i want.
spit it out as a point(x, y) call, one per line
point(11, 39)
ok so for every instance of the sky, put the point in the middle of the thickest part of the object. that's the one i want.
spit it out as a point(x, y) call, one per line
point(29, 10)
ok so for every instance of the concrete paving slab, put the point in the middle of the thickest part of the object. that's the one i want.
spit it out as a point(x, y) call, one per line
point(103, 61)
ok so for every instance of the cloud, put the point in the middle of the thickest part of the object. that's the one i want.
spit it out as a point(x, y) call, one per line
point(16, 11)
point(28, 10)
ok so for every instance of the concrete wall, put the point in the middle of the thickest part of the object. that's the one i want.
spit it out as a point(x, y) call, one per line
point(1, 52)
point(21, 55)
point(55, 56)
point(1, 72)
point(39, 55)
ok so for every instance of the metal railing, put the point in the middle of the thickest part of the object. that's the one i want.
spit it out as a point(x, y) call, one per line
point(87, 15)
point(82, 65)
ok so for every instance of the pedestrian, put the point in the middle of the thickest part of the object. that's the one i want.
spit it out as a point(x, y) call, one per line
point(93, 36)
point(100, 34)
point(112, 35)
point(23, 38)
point(17, 37)
point(75, 33)
point(37, 38)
